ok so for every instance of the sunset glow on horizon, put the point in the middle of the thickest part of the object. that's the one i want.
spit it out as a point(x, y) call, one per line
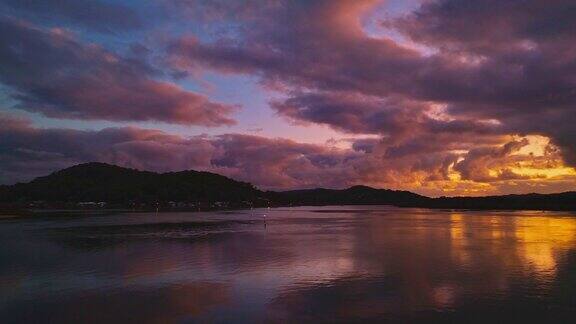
point(438, 97)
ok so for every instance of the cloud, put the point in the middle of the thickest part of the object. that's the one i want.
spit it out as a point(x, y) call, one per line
point(95, 15)
point(507, 62)
point(314, 44)
point(27, 151)
point(52, 73)
point(489, 27)
point(270, 163)
point(524, 55)
point(350, 112)
point(394, 117)
point(451, 90)
point(478, 162)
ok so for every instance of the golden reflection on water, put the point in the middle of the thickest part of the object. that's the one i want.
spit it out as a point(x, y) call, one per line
point(542, 238)
point(440, 257)
point(534, 242)
point(459, 253)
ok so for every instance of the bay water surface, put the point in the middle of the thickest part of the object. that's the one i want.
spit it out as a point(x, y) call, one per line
point(305, 264)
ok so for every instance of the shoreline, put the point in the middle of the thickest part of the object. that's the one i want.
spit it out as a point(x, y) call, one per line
point(10, 214)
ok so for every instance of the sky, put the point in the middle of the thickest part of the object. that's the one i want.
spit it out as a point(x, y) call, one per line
point(439, 97)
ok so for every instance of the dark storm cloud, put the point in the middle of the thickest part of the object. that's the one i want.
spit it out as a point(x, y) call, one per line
point(527, 55)
point(349, 112)
point(490, 26)
point(96, 15)
point(509, 61)
point(409, 129)
point(53, 73)
point(479, 161)
point(356, 113)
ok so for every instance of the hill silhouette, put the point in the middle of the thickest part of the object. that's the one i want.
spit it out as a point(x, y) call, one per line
point(100, 182)
point(356, 195)
point(565, 201)
point(113, 186)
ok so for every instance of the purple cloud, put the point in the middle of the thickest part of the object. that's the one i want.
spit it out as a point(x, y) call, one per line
point(96, 15)
point(510, 62)
point(27, 151)
point(52, 73)
point(452, 91)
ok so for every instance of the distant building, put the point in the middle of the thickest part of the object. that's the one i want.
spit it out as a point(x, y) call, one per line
point(92, 204)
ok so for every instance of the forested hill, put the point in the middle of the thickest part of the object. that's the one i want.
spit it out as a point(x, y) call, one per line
point(100, 182)
point(110, 185)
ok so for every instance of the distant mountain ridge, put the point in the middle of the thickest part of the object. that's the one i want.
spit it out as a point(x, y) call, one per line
point(351, 196)
point(124, 187)
point(565, 201)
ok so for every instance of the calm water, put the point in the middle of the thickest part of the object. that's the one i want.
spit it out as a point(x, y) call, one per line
point(304, 264)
